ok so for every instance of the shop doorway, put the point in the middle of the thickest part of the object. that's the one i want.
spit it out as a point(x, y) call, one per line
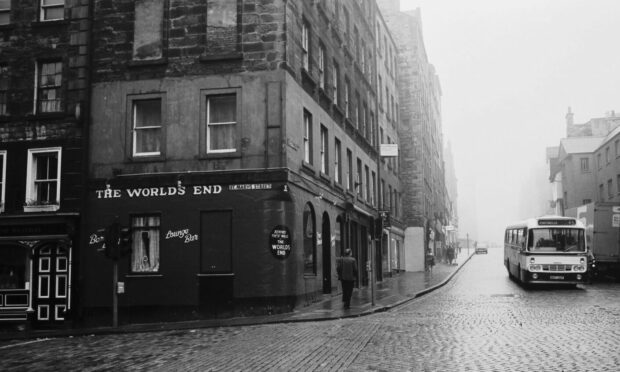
point(327, 254)
point(50, 289)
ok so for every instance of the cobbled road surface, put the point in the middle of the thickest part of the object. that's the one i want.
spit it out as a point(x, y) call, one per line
point(479, 321)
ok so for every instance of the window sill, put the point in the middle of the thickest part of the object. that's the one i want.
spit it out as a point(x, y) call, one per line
point(41, 208)
point(148, 62)
point(338, 185)
point(52, 23)
point(220, 57)
point(221, 155)
point(144, 275)
point(146, 159)
point(325, 178)
point(46, 115)
point(307, 167)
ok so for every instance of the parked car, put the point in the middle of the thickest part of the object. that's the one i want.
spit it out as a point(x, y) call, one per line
point(482, 248)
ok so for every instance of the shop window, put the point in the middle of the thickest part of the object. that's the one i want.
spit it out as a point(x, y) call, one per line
point(147, 127)
point(43, 180)
point(49, 87)
point(145, 244)
point(2, 179)
point(148, 30)
point(52, 10)
point(309, 231)
point(4, 87)
point(14, 267)
point(307, 137)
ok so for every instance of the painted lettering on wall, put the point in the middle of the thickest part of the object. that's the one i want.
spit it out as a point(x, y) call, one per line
point(178, 190)
point(182, 234)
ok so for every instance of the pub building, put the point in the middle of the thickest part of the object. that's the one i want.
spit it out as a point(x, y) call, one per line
point(238, 143)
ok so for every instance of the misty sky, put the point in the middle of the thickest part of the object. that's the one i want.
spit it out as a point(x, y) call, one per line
point(509, 70)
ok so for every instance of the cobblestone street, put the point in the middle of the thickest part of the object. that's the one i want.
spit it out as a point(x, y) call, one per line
point(480, 321)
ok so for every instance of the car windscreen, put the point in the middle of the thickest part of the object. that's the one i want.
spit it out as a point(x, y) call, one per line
point(556, 240)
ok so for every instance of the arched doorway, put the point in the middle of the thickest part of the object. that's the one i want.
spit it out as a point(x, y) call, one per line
point(309, 233)
point(327, 262)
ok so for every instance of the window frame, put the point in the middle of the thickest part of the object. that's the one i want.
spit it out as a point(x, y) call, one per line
point(3, 155)
point(349, 170)
point(39, 87)
point(322, 66)
point(335, 81)
point(131, 126)
point(31, 204)
point(305, 45)
point(43, 8)
point(307, 137)
point(337, 161)
point(585, 165)
point(324, 150)
point(132, 218)
point(206, 125)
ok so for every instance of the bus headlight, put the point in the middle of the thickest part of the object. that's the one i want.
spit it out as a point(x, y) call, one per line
point(580, 268)
point(536, 267)
point(582, 261)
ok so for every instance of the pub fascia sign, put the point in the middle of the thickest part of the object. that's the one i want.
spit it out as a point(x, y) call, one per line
point(178, 190)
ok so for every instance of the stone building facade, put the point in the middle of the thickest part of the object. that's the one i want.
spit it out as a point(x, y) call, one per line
point(422, 166)
point(238, 140)
point(44, 103)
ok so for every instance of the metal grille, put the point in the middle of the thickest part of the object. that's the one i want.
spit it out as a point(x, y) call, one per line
point(557, 267)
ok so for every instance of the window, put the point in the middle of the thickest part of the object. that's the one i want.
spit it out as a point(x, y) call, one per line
point(610, 192)
point(358, 180)
point(607, 158)
point(618, 183)
point(49, 84)
point(309, 231)
point(222, 27)
point(599, 161)
point(356, 45)
point(371, 127)
point(586, 201)
point(337, 161)
point(601, 194)
point(43, 179)
point(305, 46)
point(307, 137)
point(4, 88)
point(5, 12)
point(382, 194)
point(2, 178)
point(221, 123)
point(617, 146)
point(322, 75)
point(585, 165)
point(347, 104)
point(367, 183)
point(145, 244)
point(147, 127)
point(373, 188)
point(148, 30)
point(380, 92)
point(335, 78)
point(349, 170)
point(324, 148)
point(52, 10)
point(359, 114)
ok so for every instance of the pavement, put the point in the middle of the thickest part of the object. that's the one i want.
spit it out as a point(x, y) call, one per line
point(391, 292)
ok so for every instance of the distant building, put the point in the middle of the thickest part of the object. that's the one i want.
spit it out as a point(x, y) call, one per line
point(595, 127)
point(607, 172)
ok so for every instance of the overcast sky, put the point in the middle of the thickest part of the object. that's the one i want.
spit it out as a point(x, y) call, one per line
point(509, 70)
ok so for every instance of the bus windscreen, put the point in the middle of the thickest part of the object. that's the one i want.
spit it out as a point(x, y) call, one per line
point(556, 240)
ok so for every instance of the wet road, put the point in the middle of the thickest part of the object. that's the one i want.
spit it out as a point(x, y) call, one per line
point(480, 321)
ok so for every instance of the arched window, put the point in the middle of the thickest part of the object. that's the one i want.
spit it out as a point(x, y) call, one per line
point(309, 231)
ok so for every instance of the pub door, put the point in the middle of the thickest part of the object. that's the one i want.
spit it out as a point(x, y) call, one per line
point(50, 283)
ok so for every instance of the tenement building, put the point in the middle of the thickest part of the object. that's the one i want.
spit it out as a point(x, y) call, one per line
point(422, 166)
point(238, 141)
point(43, 116)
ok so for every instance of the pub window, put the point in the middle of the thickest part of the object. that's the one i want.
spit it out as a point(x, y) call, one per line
point(337, 161)
point(145, 244)
point(52, 10)
point(148, 30)
point(222, 123)
point(49, 86)
point(324, 148)
point(4, 87)
point(2, 178)
point(147, 127)
point(43, 179)
point(307, 137)
point(5, 12)
point(309, 231)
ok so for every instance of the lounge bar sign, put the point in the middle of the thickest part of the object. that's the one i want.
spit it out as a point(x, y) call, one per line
point(177, 190)
point(280, 242)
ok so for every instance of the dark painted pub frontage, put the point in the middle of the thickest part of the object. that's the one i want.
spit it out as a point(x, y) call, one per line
point(207, 245)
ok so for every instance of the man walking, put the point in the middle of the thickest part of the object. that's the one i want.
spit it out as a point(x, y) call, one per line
point(347, 273)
